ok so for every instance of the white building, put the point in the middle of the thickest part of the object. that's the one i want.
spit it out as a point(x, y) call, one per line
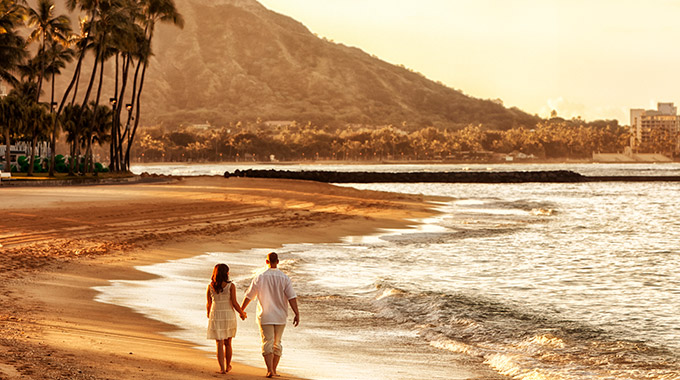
point(643, 122)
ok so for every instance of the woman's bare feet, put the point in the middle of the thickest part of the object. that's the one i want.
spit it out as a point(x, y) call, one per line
point(228, 368)
point(269, 374)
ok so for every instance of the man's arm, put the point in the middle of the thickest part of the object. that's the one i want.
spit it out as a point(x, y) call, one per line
point(294, 306)
point(249, 295)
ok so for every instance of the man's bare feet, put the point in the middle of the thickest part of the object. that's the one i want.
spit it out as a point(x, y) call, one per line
point(228, 368)
point(269, 374)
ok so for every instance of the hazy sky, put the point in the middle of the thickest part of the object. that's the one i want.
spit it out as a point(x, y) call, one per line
point(594, 59)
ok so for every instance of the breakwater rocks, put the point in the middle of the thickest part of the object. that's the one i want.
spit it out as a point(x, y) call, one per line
point(415, 177)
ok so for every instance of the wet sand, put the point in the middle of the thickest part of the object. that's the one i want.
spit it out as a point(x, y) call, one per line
point(59, 242)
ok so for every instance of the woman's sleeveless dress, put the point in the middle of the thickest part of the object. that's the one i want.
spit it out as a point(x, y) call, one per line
point(222, 321)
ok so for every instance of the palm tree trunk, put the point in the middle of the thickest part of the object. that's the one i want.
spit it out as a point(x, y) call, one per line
point(78, 158)
point(53, 139)
point(136, 95)
point(94, 113)
point(92, 77)
point(8, 153)
point(125, 134)
point(76, 76)
point(99, 87)
point(31, 160)
point(88, 156)
point(114, 126)
point(77, 82)
point(71, 158)
point(42, 68)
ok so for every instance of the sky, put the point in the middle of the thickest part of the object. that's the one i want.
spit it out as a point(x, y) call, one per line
point(591, 59)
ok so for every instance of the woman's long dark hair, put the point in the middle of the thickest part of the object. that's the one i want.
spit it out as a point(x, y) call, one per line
point(220, 275)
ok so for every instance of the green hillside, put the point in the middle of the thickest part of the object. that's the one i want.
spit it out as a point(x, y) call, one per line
point(235, 60)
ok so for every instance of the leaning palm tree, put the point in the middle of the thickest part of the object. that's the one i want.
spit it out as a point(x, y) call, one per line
point(47, 28)
point(90, 8)
point(81, 43)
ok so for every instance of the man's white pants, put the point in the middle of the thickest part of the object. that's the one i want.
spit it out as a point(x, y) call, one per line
point(271, 339)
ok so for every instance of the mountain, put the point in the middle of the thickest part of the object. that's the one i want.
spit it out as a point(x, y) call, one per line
point(235, 60)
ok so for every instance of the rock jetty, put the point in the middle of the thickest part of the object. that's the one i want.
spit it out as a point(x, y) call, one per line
point(415, 177)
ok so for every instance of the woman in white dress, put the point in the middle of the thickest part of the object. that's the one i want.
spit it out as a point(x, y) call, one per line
point(222, 302)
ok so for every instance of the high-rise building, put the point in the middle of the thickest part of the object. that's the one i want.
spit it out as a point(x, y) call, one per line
point(644, 122)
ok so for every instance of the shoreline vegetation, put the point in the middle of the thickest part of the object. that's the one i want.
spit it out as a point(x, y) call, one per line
point(549, 140)
point(59, 243)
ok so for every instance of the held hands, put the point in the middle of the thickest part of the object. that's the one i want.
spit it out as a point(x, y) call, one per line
point(243, 315)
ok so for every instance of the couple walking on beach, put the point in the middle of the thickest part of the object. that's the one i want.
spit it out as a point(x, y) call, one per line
point(274, 292)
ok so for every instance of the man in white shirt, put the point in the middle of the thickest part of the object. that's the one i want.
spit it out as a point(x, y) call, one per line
point(274, 291)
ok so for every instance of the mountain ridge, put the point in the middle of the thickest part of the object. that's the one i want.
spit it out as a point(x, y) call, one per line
point(236, 60)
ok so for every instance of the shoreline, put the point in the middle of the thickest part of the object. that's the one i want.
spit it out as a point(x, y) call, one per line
point(53, 327)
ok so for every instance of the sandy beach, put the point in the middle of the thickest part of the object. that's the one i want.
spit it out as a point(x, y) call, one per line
point(60, 242)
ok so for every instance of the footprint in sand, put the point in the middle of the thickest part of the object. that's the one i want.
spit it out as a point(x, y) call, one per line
point(9, 371)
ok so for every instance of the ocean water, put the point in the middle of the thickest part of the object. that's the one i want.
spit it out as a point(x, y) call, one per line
point(524, 281)
point(182, 169)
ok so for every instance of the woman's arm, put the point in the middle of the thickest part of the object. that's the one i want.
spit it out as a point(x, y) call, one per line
point(209, 301)
point(234, 303)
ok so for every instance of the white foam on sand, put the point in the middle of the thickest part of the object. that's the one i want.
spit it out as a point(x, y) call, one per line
point(315, 350)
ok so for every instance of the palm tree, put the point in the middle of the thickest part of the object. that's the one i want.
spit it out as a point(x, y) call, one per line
point(71, 122)
point(154, 11)
point(34, 122)
point(115, 24)
point(12, 50)
point(30, 70)
point(82, 42)
point(130, 44)
point(13, 120)
point(96, 131)
point(19, 100)
point(59, 55)
point(5, 117)
point(47, 28)
point(38, 121)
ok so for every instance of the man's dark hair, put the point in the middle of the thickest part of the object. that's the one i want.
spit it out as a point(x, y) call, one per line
point(273, 258)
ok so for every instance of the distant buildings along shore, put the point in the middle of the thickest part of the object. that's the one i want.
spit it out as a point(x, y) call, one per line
point(650, 125)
